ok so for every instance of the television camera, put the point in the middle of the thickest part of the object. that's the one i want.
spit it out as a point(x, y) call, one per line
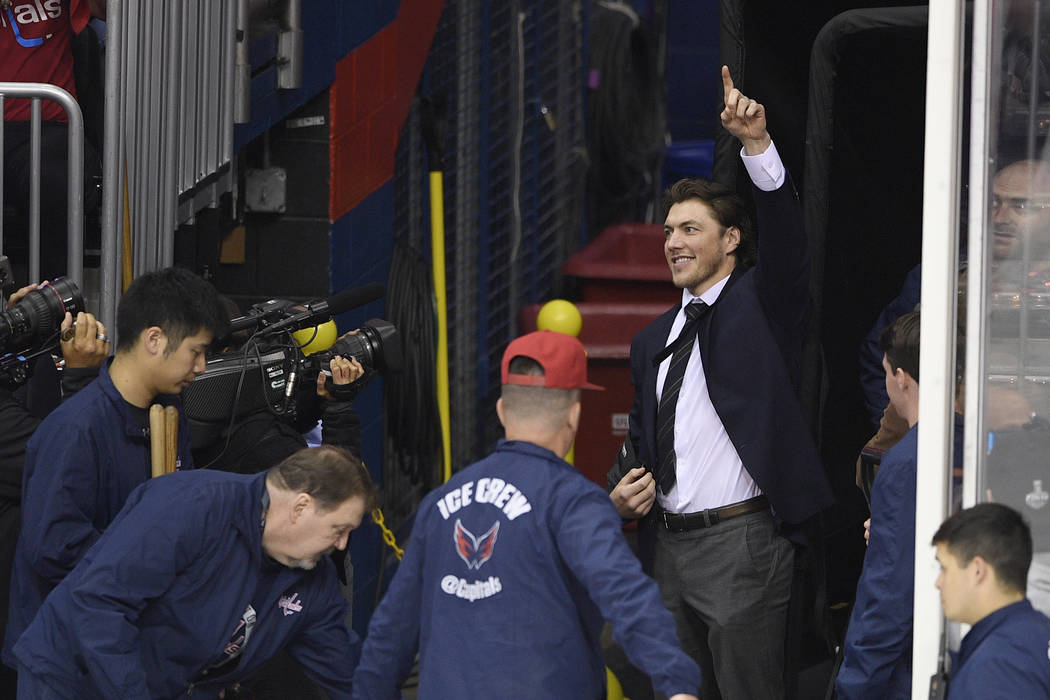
point(263, 374)
point(30, 328)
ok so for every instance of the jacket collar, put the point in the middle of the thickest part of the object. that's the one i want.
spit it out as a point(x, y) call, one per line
point(734, 276)
point(528, 448)
point(251, 526)
point(130, 416)
point(988, 624)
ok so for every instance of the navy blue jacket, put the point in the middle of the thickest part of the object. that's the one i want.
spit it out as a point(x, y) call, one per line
point(160, 595)
point(872, 375)
point(877, 651)
point(1005, 656)
point(511, 566)
point(81, 464)
point(751, 346)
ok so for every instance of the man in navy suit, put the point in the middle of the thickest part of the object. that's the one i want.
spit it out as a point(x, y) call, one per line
point(730, 471)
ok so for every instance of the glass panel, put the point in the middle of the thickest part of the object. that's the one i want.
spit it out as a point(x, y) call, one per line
point(1014, 464)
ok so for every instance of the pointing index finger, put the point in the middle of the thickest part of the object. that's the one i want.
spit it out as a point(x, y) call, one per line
point(727, 83)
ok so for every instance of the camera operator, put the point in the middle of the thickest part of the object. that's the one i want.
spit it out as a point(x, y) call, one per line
point(261, 439)
point(84, 348)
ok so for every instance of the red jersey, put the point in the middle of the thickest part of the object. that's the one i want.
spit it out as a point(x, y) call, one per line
point(36, 50)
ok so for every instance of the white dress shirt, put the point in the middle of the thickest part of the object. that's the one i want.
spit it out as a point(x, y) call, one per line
point(709, 473)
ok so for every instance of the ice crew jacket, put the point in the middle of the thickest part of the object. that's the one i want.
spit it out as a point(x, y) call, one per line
point(511, 566)
point(1005, 656)
point(160, 596)
point(81, 464)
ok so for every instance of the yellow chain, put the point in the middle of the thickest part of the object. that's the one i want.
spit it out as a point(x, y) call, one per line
point(388, 536)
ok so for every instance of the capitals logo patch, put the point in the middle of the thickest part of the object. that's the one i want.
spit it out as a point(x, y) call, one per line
point(474, 551)
point(290, 604)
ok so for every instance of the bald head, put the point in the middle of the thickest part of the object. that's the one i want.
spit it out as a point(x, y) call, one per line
point(537, 414)
point(1025, 174)
point(537, 406)
point(543, 407)
point(1021, 210)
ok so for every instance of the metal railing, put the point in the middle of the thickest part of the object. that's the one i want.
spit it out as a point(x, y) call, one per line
point(177, 80)
point(75, 179)
point(169, 115)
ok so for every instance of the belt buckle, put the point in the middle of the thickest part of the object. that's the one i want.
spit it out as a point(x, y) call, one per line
point(669, 523)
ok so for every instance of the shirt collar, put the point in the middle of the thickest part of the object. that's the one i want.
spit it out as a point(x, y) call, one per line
point(709, 297)
point(132, 419)
point(132, 416)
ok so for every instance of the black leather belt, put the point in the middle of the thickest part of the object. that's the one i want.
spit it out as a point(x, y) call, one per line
point(680, 522)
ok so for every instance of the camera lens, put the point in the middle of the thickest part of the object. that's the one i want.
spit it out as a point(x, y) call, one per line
point(33, 320)
point(377, 345)
point(360, 347)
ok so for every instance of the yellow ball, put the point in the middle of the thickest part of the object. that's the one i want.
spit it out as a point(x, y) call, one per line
point(561, 316)
point(316, 339)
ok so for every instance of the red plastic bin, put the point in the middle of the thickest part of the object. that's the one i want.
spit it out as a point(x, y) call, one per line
point(625, 263)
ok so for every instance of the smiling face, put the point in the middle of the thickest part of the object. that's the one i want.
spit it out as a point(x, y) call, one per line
point(698, 249)
point(319, 533)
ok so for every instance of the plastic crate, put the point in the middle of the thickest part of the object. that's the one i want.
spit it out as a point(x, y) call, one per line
point(625, 263)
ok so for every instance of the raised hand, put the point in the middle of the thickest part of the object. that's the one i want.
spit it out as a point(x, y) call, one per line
point(743, 117)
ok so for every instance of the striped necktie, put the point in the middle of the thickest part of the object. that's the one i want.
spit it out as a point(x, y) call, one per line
point(665, 414)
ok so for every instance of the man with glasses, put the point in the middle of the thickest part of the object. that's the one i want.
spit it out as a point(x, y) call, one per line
point(1020, 250)
point(1021, 211)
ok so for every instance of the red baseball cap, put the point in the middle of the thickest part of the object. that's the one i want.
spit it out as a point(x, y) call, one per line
point(562, 357)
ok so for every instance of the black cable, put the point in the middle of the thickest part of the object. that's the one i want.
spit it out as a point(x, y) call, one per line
point(626, 127)
point(252, 346)
point(236, 399)
point(412, 426)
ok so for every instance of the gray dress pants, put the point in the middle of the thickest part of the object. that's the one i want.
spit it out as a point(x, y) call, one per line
point(728, 587)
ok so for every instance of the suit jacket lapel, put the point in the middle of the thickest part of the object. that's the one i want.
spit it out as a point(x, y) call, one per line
point(655, 343)
point(704, 331)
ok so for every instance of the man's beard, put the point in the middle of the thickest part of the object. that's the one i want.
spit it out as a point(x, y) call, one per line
point(311, 563)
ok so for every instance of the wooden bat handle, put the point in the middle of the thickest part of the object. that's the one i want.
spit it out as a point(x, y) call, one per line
point(156, 439)
point(171, 438)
